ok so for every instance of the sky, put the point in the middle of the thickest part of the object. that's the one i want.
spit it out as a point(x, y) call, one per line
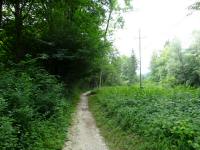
point(159, 21)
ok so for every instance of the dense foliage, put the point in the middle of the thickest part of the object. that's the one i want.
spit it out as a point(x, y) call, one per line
point(165, 118)
point(175, 65)
point(34, 111)
point(71, 37)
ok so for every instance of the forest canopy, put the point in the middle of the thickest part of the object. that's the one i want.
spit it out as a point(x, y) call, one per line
point(69, 38)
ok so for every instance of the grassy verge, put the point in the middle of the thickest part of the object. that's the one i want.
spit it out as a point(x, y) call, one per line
point(152, 118)
point(116, 138)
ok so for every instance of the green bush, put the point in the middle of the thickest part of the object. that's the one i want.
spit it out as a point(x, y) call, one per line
point(34, 111)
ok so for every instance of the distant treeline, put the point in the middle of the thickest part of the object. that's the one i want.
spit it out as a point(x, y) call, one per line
point(176, 65)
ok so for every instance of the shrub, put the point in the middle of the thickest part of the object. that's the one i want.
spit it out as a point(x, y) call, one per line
point(34, 111)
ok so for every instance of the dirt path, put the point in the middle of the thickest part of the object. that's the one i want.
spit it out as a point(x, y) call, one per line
point(84, 135)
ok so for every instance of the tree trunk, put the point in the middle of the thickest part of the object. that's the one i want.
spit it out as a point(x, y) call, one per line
point(100, 79)
point(18, 30)
point(108, 23)
point(1, 13)
point(180, 57)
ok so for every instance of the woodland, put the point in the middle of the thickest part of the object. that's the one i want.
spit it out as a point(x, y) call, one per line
point(53, 50)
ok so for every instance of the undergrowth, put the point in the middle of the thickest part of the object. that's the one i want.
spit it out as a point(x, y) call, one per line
point(154, 118)
point(35, 109)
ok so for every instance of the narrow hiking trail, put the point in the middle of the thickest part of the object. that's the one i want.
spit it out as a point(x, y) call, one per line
point(84, 135)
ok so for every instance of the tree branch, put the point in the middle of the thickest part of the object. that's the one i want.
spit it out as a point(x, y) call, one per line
point(109, 18)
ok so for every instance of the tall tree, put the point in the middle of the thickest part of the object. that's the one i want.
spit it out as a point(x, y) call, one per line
point(176, 65)
point(129, 68)
point(64, 34)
